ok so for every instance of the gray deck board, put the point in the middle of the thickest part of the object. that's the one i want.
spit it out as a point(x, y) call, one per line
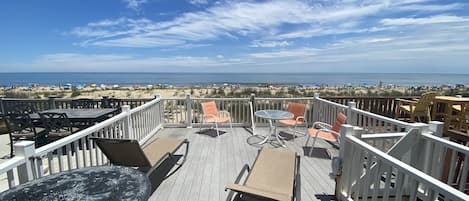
point(215, 161)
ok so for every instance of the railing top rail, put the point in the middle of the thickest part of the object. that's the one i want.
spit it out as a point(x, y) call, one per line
point(333, 103)
point(145, 106)
point(219, 98)
point(449, 144)
point(409, 170)
point(293, 98)
point(11, 163)
point(383, 118)
point(42, 151)
point(368, 97)
point(382, 136)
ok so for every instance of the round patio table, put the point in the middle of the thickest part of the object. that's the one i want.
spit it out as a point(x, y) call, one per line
point(91, 183)
point(273, 116)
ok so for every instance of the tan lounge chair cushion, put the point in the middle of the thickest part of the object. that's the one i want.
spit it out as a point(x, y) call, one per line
point(273, 171)
point(159, 147)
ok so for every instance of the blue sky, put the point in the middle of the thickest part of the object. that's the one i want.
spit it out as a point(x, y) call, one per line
point(430, 36)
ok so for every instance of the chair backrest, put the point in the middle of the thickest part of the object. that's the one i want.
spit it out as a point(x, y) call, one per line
point(339, 121)
point(56, 122)
point(425, 101)
point(22, 108)
point(20, 123)
point(298, 109)
point(83, 103)
point(123, 152)
point(210, 108)
point(111, 103)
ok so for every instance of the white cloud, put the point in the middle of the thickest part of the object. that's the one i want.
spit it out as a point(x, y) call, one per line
point(432, 7)
point(270, 43)
point(231, 20)
point(424, 20)
point(198, 2)
point(302, 52)
point(134, 4)
point(71, 62)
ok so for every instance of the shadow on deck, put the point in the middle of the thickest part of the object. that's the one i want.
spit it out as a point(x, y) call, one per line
point(215, 161)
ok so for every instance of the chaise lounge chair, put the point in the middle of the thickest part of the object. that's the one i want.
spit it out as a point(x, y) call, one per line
point(275, 175)
point(128, 152)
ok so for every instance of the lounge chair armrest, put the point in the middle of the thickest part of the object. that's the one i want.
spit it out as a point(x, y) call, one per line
point(258, 192)
point(322, 125)
point(241, 173)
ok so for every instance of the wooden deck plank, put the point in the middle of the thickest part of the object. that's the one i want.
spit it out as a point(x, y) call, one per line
point(215, 161)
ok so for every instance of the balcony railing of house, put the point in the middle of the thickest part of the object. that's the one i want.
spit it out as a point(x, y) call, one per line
point(77, 150)
point(379, 157)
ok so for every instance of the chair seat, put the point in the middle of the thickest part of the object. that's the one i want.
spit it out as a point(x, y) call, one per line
point(64, 133)
point(161, 146)
point(264, 178)
point(457, 108)
point(290, 122)
point(217, 119)
point(322, 134)
point(39, 131)
point(406, 108)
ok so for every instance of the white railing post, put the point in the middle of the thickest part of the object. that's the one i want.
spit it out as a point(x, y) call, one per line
point(438, 153)
point(128, 131)
point(417, 151)
point(315, 109)
point(252, 99)
point(52, 102)
point(188, 111)
point(351, 120)
point(342, 165)
point(160, 109)
point(344, 131)
point(27, 150)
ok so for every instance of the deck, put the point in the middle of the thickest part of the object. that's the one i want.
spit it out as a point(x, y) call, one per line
point(215, 161)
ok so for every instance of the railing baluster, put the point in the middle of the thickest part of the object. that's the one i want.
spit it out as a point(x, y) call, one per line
point(465, 170)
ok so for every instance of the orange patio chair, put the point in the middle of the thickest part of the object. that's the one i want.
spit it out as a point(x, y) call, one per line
point(212, 115)
point(326, 131)
point(298, 110)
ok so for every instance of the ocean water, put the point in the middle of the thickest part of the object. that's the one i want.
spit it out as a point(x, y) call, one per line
point(203, 79)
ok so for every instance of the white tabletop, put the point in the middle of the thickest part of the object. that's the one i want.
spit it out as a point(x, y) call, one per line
point(274, 114)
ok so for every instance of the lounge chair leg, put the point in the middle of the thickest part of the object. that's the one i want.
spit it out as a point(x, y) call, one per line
point(307, 140)
point(200, 127)
point(218, 132)
point(312, 147)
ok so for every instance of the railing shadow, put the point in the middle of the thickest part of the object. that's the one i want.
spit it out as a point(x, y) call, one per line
point(318, 152)
point(211, 132)
point(324, 197)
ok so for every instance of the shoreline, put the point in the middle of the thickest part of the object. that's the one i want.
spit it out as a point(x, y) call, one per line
point(225, 90)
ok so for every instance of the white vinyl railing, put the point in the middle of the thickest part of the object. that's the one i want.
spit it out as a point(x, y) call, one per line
point(411, 172)
point(77, 150)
